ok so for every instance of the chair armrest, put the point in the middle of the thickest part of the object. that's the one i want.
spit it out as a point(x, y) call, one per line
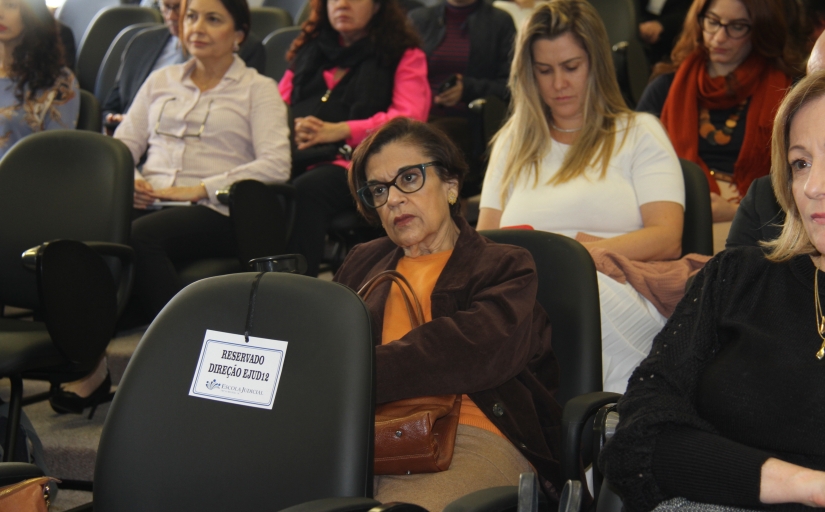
point(263, 216)
point(126, 255)
point(576, 413)
point(335, 505)
point(122, 252)
point(14, 472)
point(396, 506)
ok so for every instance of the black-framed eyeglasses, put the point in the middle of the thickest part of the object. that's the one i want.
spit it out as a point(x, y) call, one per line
point(196, 135)
point(734, 29)
point(409, 179)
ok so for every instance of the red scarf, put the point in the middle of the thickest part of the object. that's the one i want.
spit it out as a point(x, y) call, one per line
point(756, 79)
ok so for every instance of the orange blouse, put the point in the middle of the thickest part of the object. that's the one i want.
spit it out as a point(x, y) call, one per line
point(422, 273)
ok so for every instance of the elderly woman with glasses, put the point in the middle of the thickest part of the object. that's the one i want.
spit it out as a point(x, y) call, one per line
point(730, 69)
point(202, 126)
point(485, 336)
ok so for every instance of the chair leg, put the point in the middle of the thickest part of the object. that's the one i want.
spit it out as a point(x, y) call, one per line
point(13, 421)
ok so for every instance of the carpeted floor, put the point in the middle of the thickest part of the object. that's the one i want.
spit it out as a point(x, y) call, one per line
point(70, 441)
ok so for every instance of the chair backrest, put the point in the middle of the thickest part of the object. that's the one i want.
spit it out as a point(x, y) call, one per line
point(697, 234)
point(69, 184)
point(293, 7)
point(103, 29)
point(161, 449)
point(110, 66)
point(266, 20)
point(89, 117)
point(276, 45)
point(632, 69)
point(569, 293)
point(77, 14)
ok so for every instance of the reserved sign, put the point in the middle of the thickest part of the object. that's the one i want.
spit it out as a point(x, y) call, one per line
point(231, 370)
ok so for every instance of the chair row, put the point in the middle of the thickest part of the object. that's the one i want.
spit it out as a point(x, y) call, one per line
point(105, 36)
point(156, 432)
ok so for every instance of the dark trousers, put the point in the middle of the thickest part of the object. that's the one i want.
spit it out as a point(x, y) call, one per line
point(168, 239)
point(322, 193)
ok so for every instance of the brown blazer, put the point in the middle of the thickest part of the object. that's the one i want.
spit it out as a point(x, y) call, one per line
point(489, 338)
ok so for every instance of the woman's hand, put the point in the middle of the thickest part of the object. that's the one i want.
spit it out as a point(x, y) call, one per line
point(112, 120)
point(783, 482)
point(452, 95)
point(191, 194)
point(722, 209)
point(310, 131)
point(650, 31)
point(143, 195)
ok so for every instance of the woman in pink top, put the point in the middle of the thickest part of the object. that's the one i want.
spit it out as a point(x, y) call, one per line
point(355, 65)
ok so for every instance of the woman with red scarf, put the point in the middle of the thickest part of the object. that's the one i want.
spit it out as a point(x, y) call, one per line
point(730, 69)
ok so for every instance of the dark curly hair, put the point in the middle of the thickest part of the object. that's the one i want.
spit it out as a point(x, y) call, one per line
point(389, 30)
point(38, 59)
point(431, 141)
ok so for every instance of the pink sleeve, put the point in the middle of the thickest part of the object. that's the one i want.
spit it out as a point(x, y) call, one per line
point(410, 96)
point(285, 86)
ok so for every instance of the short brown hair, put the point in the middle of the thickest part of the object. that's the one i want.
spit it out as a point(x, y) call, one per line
point(238, 9)
point(794, 239)
point(431, 141)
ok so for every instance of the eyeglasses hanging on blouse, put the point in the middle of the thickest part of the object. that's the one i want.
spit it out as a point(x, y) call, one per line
point(196, 135)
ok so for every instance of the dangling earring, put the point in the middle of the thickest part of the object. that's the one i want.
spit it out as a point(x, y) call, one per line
point(236, 48)
point(452, 198)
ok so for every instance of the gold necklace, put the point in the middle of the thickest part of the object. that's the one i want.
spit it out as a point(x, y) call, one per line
point(820, 318)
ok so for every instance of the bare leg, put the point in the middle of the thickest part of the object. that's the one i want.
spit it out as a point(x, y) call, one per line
point(85, 386)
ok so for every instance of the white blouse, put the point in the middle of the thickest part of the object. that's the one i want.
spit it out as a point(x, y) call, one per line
point(642, 170)
point(237, 130)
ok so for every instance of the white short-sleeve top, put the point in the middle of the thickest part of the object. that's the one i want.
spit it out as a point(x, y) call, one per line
point(642, 170)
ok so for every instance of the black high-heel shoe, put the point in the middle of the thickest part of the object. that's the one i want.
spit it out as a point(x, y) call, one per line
point(67, 402)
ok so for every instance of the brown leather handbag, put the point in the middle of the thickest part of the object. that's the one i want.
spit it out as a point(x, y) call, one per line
point(415, 435)
point(29, 495)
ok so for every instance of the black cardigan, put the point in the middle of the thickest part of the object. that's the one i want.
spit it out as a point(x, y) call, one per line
point(730, 381)
point(492, 33)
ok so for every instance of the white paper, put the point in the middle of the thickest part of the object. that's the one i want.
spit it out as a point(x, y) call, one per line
point(655, 6)
point(231, 370)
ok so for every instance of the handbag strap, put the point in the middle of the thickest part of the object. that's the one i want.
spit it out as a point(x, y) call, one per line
point(413, 305)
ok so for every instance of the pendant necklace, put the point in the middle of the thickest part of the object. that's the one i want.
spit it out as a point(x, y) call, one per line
point(820, 318)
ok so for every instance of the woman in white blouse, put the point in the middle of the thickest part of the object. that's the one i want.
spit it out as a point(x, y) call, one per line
point(203, 125)
point(574, 159)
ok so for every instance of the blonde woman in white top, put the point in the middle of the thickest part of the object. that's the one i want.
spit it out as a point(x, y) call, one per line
point(203, 125)
point(573, 159)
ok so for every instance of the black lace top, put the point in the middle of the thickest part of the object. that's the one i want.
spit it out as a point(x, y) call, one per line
point(730, 381)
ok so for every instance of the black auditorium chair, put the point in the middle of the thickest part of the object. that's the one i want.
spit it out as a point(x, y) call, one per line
point(569, 292)
point(103, 29)
point(262, 217)
point(88, 118)
point(266, 20)
point(107, 73)
point(71, 186)
point(77, 14)
point(208, 455)
point(632, 69)
point(294, 7)
point(276, 45)
point(697, 234)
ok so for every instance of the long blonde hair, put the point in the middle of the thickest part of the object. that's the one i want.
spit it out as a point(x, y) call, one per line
point(794, 239)
point(527, 128)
